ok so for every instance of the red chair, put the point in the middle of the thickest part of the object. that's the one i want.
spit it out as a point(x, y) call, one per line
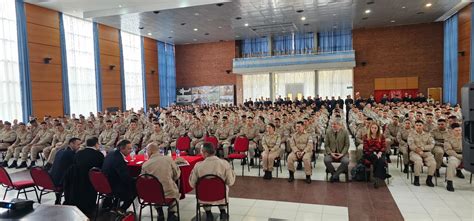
point(20, 186)
point(44, 182)
point(210, 188)
point(213, 140)
point(183, 144)
point(241, 147)
point(150, 193)
point(101, 185)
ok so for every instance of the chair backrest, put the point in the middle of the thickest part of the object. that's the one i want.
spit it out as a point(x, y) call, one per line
point(241, 144)
point(213, 140)
point(42, 178)
point(183, 143)
point(211, 188)
point(5, 177)
point(99, 181)
point(150, 189)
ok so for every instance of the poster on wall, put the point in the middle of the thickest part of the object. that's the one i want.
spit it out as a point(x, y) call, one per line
point(205, 95)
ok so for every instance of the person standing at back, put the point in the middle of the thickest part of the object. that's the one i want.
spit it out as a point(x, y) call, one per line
point(215, 166)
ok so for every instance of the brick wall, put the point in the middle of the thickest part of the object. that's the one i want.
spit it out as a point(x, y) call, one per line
point(401, 51)
point(206, 64)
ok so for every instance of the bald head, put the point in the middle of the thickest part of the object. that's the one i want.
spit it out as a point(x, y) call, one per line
point(152, 148)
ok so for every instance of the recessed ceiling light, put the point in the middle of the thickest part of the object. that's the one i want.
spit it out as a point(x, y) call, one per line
point(194, 39)
point(120, 6)
point(273, 21)
point(195, 29)
point(149, 33)
point(393, 21)
point(237, 36)
point(246, 24)
point(196, 14)
point(303, 18)
point(404, 7)
point(300, 11)
point(367, 11)
point(333, 14)
point(219, 27)
point(428, 5)
point(171, 31)
point(238, 18)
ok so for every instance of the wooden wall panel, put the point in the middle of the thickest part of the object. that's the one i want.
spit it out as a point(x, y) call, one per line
point(39, 51)
point(46, 73)
point(400, 83)
point(110, 55)
point(464, 45)
point(412, 82)
point(379, 83)
point(43, 35)
point(151, 63)
point(46, 79)
point(41, 16)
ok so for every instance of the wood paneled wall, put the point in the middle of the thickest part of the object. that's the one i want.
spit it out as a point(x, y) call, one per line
point(110, 55)
point(43, 41)
point(151, 72)
point(464, 45)
point(396, 83)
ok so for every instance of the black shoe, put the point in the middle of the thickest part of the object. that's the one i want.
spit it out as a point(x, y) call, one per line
point(388, 176)
point(13, 165)
point(429, 181)
point(437, 173)
point(209, 216)
point(300, 166)
point(251, 163)
point(224, 216)
point(459, 174)
point(22, 165)
point(172, 217)
point(33, 163)
point(292, 177)
point(388, 158)
point(265, 176)
point(450, 187)
point(405, 170)
point(308, 179)
point(243, 162)
point(5, 163)
point(416, 182)
point(270, 175)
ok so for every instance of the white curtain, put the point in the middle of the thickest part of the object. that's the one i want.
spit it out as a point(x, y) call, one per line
point(81, 65)
point(256, 86)
point(10, 87)
point(295, 84)
point(132, 61)
point(335, 83)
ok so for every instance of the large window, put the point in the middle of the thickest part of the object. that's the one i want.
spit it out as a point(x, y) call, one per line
point(133, 74)
point(295, 84)
point(335, 83)
point(10, 87)
point(256, 86)
point(80, 65)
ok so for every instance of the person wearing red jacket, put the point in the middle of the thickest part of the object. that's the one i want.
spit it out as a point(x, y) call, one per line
point(374, 151)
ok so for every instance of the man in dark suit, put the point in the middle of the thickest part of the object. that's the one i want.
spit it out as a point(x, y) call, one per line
point(78, 189)
point(63, 160)
point(118, 174)
point(336, 149)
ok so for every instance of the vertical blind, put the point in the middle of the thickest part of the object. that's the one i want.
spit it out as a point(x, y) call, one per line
point(133, 73)
point(335, 83)
point(80, 65)
point(256, 85)
point(10, 85)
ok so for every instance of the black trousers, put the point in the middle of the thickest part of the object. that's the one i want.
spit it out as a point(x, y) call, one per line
point(379, 165)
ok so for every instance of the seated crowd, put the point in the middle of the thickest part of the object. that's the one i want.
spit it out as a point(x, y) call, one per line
point(423, 132)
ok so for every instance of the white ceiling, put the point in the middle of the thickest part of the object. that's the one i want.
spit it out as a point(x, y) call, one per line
point(177, 19)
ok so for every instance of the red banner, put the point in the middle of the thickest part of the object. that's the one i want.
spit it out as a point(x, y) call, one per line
point(378, 94)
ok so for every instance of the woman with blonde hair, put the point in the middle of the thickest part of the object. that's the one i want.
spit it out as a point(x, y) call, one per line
point(374, 152)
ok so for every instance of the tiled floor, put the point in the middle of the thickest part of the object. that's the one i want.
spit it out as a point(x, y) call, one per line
point(254, 199)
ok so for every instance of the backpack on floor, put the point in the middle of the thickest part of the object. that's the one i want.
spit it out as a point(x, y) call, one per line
point(358, 172)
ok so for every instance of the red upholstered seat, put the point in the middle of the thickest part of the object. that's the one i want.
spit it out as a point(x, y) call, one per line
point(237, 156)
point(23, 184)
point(150, 193)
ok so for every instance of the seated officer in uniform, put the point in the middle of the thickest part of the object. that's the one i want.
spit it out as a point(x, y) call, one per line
point(421, 143)
point(302, 149)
